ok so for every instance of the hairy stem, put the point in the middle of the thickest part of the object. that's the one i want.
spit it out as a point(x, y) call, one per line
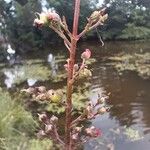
point(74, 40)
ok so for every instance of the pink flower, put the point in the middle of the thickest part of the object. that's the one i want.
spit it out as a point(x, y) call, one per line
point(53, 16)
point(93, 132)
point(86, 54)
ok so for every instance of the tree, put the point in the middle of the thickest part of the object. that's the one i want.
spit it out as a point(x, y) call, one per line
point(128, 20)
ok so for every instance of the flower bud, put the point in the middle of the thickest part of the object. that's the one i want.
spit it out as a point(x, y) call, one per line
point(48, 128)
point(41, 97)
point(102, 110)
point(41, 89)
point(89, 111)
point(41, 134)
point(86, 54)
point(78, 129)
point(100, 100)
point(75, 136)
point(30, 90)
point(41, 20)
point(93, 132)
point(76, 67)
point(54, 119)
point(42, 117)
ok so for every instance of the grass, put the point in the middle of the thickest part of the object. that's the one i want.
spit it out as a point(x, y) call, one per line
point(17, 127)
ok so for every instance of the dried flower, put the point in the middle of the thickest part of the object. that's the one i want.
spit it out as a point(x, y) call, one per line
point(93, 132)
point(86, 54)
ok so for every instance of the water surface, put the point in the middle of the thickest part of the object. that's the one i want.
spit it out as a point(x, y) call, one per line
point(129, 98)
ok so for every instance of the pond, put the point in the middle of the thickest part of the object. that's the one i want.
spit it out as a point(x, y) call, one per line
point(127, 124)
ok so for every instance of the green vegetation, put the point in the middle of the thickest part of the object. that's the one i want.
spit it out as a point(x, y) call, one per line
point(135, 62)
point(132, 134)
point(16, 124)
point(128, 20)
point(17, 127)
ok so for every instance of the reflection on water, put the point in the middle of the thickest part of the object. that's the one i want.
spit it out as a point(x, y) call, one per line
point(129, 98)
point(11, 75)
point(130, 101)
point(53, 64)
point(31, 82)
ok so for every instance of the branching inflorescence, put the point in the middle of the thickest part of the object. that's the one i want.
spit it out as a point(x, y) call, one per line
point(75, 72)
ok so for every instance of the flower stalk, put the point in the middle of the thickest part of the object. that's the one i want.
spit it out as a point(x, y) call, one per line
point(70, 75)
point(74, 72)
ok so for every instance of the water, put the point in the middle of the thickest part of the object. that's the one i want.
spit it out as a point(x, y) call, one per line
point(129, 98)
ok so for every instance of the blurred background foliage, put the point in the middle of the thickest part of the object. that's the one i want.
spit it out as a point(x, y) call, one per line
point(17, 126)
point(128, 19)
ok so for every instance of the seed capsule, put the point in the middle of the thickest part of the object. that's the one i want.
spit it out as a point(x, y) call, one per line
point(55, 96)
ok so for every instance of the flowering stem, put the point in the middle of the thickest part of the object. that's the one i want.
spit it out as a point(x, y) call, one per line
point(71, 63)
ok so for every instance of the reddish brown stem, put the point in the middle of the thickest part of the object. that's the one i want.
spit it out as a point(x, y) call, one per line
point(70, 76)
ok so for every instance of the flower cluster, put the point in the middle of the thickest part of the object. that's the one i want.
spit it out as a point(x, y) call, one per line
point(41, 94)
point(98, 16)
point(46, 17)
point(49, 128)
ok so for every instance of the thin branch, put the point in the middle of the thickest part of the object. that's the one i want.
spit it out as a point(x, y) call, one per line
point(77, 120)
point(96, 25)
point(67, 46)
point(65, 26)
point(57, 135)
point(61, 35)
point(87, 28)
